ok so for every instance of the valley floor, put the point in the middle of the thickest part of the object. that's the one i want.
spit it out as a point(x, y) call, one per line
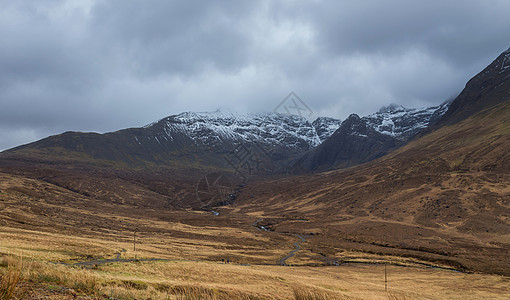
point(49, 271)
point(136, 252)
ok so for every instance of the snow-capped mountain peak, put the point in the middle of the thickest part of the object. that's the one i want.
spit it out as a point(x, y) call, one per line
point(403, 123)
point(214, 129)
point(220, 125)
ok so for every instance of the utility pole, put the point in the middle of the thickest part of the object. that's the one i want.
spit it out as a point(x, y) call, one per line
point(385, 279)
point(134, 243)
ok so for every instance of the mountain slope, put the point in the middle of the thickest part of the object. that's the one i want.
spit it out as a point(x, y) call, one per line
point(443, 197)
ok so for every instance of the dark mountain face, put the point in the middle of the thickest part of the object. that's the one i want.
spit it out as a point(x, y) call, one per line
point(488, 88)
point(355, 142)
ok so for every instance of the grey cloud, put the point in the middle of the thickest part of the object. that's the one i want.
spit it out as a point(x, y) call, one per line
point(459, 30)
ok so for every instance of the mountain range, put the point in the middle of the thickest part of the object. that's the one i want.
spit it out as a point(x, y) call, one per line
point(429, 184)
point(207, 138)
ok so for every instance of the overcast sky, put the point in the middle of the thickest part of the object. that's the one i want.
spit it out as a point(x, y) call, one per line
point(105, 65)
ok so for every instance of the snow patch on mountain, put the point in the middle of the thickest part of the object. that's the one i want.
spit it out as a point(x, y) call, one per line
point(268, 128)
point(325, 127)
point(403, 123)
point(506, 62)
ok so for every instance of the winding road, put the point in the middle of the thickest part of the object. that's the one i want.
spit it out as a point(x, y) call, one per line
point(296, 244)
point(283, 260)
point(293, 252)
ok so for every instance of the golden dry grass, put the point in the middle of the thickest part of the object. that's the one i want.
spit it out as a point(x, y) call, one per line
point(211, 280)
point(11, 278)
point(306, 293)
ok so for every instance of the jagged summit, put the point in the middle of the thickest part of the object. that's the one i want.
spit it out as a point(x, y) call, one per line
point(189, 138)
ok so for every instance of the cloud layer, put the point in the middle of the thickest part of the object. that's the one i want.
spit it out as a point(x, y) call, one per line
point(104, 65)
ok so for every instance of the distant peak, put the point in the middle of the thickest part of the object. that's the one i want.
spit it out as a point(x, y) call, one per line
point(353, 117)
point(393, 107)
point(448, 101)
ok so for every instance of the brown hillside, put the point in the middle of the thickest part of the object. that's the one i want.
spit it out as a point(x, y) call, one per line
point(443, 197)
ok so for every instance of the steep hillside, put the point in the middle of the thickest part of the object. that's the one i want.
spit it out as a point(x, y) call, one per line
point(442, 197)
point(489, 87)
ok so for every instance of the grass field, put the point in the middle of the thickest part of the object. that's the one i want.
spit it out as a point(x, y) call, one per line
point(206, 279)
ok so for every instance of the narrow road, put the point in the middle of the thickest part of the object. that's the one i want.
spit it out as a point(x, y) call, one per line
point(293, 252)
point(113, 260)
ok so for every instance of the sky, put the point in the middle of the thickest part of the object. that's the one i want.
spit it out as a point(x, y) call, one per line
point(97, 65)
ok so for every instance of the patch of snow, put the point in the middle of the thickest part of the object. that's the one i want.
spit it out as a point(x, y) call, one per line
point(263, 228)
point(506, 63)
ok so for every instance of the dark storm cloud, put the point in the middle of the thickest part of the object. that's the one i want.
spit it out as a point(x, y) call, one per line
point(457, 31)
point(103, 65)
point(175, 36)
